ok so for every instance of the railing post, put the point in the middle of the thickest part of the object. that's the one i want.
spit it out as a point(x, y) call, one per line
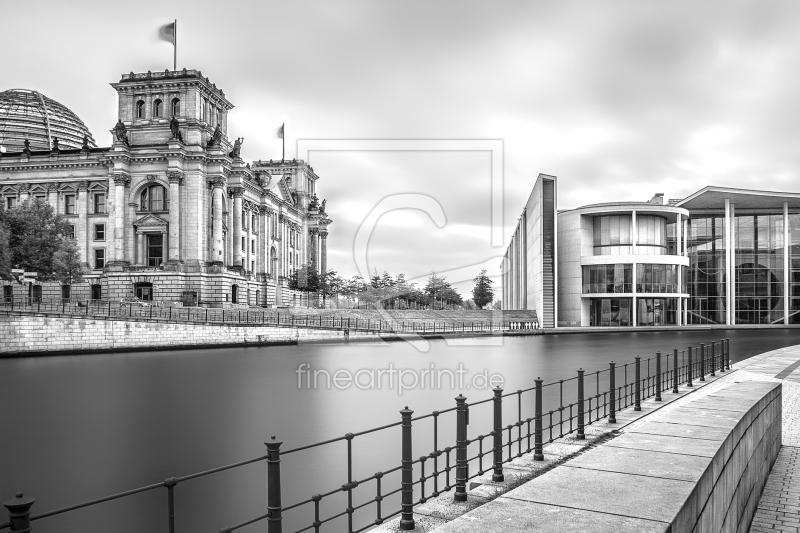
point(407, 518)
point(19, 513)
point(637, 397)
point(461, 449)
point(498, 435)
point(689, 369)
point(702, 362)
point(537, 431)
point(581, 435)
point(612, 393)
point(658, 376)
point(170, 483)
point(728, 352)
point(274, 520)
point(675, 371)
point(722, 355)
point(713, 360)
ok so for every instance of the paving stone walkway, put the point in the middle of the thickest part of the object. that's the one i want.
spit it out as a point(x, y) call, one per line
point(779, 508)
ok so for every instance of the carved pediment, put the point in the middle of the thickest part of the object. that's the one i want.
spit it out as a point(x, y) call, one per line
point(150, 221)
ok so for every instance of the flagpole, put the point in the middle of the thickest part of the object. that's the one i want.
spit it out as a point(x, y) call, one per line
point(175, 47)
point(283, 140)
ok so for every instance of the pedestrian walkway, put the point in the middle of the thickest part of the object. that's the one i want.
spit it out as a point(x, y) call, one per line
point(779, 508)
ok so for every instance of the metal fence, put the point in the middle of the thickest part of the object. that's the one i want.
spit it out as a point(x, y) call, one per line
point(252, 317)
point(600, 394)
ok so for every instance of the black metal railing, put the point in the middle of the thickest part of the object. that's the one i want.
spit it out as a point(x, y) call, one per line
point(448, 468)
point(253, 317)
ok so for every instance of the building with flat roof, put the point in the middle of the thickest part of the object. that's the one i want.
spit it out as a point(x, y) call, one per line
point(170, 211)
point(720, 256)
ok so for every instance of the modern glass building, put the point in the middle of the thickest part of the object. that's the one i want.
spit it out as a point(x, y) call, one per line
point(720, 256)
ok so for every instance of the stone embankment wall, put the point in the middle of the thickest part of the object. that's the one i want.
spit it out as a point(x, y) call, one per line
point(31, 334)
point(727, 494)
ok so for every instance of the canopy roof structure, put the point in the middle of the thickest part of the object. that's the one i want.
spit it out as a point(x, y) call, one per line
point(30, 115)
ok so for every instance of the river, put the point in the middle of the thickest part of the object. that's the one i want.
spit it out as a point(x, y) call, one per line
point(84, 426)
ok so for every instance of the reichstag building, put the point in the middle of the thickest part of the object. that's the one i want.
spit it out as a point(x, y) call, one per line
point(170, 211)
point(721, 256)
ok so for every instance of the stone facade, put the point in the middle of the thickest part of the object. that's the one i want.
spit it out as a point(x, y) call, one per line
point(171, 211)
point(29, 334)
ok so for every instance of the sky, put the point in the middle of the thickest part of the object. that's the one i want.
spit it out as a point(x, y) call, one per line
point(618, 99)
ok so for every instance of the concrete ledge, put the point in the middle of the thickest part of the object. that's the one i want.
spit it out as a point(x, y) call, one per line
point(700, 467)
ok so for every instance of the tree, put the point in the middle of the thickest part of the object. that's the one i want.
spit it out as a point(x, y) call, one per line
point(498, 305)
point(35, 233)
point(305, 279)
point(441, 293)
point(5, 253)
point(67, 262)
point(482, 293)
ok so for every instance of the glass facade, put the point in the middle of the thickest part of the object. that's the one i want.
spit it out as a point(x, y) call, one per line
point(651, 236)
point(612, 235)
point(656, 311)
point(658, 278)
point(608, 278)
point(705, 247)
point(610, 312)
point(759, 268)
point(794, 269)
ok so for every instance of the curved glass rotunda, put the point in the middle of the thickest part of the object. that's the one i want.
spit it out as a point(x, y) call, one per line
point(30, 115)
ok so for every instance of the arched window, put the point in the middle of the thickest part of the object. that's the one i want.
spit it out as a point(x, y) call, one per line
point(176, 107)
point(153, 198)
point(157, 108)
point(140, 109)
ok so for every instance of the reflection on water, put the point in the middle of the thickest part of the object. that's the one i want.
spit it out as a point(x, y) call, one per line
point(81, 427)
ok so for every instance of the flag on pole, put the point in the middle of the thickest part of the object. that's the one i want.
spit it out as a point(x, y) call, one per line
point(169, 33)
point(283, 143)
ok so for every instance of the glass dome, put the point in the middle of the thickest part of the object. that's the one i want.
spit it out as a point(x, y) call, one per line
point(31, 115)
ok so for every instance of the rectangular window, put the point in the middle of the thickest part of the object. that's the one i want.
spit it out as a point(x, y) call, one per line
point(252, 266)
point(70, 231)
point(244, 245)
point(253, 246)
point(99, 232)
point(11, 202)
point(99, 258)
point(253, 223)
point(100, 203)
point(66, 291)
point(69, 204)
point(97, 292)
point(155, 249)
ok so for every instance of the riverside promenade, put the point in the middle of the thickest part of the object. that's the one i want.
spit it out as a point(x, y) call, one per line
point(519, 503)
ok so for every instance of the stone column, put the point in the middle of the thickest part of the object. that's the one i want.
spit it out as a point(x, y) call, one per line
point(175, 180)
point(237, 227)
point(140, 244)
point(52, 195)
point(83, 231)
point(120, 181)
point(786, 250)
point(248, 238)
point(216, 221)
point(679, 250)
point(323, 256)
point(164, 239)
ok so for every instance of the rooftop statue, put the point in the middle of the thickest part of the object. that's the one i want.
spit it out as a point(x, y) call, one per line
point(237, 148)
point(176, 132)
point(121, 133)
point(216, 137)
